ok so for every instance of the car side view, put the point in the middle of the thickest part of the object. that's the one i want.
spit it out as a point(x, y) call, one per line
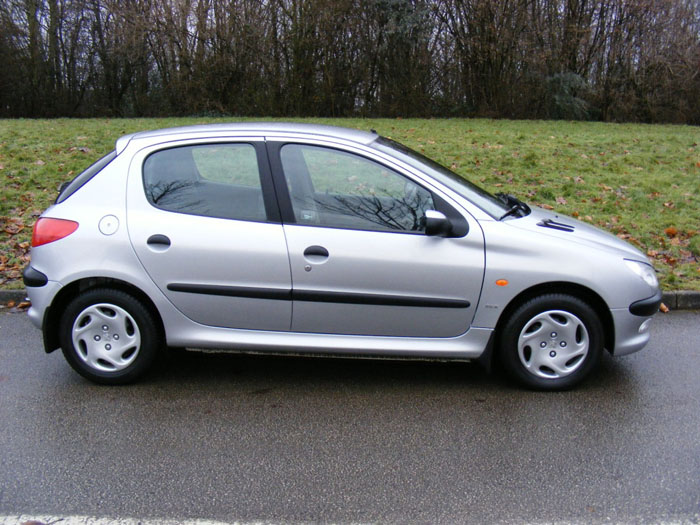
point(272, 237)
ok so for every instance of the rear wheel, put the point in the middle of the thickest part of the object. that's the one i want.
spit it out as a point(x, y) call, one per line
point(551, 342)
point(108, 336)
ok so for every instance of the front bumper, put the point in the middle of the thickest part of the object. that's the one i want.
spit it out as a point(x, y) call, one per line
point(647, 307)
point(632, 324)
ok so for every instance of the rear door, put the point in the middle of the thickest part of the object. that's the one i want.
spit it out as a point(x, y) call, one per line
point(204, 223)
point(361, 262)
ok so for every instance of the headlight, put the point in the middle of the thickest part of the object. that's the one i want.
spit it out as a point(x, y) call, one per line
point(645, 271)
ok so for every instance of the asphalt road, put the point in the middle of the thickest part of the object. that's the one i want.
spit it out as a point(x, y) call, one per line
point(274, 439)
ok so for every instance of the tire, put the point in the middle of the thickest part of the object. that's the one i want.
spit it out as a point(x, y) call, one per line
point(551, 342)
point(108, 336)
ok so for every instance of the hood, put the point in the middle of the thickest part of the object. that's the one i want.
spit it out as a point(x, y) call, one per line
point(571, 230)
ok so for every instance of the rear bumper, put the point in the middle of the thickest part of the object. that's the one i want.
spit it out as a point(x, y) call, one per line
point(41, 298)
point(33, 278)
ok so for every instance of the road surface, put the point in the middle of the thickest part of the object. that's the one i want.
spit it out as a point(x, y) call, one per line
point(251, 438)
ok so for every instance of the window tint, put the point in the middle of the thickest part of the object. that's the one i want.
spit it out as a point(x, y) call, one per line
point(337, 189)
point(218, 180)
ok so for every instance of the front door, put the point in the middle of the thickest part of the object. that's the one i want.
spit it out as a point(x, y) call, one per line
point(360, 260)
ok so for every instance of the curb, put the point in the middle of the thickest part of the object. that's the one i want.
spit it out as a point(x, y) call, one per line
point(12, 295)
point(676, 300)
point(682, 300)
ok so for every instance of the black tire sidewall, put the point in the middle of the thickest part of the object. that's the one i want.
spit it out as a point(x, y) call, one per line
point(150, 337)
point(508, 340)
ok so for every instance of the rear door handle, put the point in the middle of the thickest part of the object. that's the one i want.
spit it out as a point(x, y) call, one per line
point(158, 241)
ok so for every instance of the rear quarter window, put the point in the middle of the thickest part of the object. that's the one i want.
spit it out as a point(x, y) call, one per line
point(68, 189)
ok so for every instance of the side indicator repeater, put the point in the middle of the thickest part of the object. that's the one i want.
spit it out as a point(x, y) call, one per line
point(502, 282)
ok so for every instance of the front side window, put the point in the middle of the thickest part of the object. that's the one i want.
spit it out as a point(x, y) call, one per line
point(483, 199)
point(333, 188)
point(213, 180)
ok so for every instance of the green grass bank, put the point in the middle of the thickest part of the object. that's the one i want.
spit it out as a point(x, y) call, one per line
point(640, 182)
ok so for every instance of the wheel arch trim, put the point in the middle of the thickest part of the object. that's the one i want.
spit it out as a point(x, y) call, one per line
point(52, 315)
point(583, 293)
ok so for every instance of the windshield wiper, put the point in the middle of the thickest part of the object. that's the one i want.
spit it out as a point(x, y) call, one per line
point(516, 206)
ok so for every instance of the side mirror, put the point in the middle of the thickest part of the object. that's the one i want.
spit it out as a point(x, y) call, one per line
point(436, 224)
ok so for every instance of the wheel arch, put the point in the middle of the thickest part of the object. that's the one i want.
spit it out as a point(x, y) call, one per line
point(52, 317)
point(583, 293)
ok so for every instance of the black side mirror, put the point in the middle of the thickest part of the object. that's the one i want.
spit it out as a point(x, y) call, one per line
point(437, 224)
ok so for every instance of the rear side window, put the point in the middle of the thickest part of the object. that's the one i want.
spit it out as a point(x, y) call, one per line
point(217, 180)
point(78, 182)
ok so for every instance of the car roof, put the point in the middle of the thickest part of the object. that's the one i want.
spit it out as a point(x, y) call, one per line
point(294, 128)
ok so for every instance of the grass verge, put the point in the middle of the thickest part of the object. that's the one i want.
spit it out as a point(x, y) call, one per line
point(641, 182)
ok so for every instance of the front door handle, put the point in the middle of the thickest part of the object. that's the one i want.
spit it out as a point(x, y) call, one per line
point(316, 255)
point(316, 251)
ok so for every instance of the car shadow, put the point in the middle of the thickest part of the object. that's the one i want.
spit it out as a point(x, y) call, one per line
point(260, 372)
point(180, 365)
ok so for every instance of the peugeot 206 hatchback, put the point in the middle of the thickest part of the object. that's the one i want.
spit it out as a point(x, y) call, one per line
point(312, 239)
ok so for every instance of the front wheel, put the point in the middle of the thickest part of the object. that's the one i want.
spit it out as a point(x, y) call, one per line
point(108, 336)
point(551, 342)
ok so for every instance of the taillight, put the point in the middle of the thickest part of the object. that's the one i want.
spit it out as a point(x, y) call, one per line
point(47, 230)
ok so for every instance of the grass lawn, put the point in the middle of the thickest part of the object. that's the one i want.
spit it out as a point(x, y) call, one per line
point(641, 182)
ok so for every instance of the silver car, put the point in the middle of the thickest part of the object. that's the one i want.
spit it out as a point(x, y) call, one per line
point(294, 238)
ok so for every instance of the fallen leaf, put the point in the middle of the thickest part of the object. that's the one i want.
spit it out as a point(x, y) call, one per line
point(561, 200)
point(40, 162)
point(23, 305)
point(12, 229)
point(671, 231)
point(546, 206)
point(11, 304)
point(663, 308)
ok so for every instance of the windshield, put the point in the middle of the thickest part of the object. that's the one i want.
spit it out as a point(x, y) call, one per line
point(473, 193)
